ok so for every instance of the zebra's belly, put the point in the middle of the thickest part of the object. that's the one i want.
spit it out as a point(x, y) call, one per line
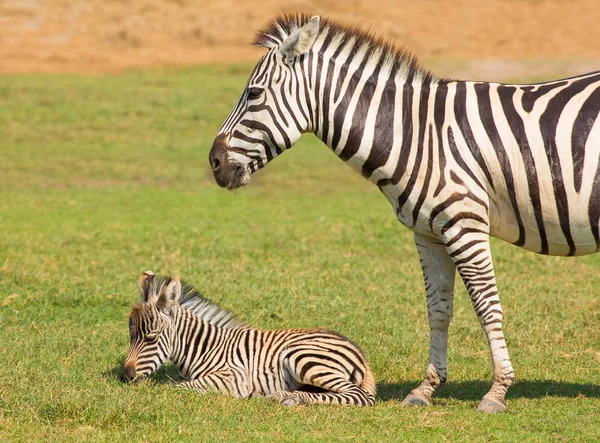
point(546, 231)
point(542, 232)
point(551, 204)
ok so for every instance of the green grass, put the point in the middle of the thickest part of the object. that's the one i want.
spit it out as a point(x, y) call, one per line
point(104, 177)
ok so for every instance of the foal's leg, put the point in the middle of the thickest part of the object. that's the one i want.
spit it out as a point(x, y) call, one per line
point(339, 390)
point(218, 381)
point(438, 271)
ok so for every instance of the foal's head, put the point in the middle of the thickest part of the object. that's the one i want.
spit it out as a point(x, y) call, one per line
point(150, 326)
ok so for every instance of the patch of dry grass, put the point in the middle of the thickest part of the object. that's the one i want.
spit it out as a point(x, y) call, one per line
point(101, 36)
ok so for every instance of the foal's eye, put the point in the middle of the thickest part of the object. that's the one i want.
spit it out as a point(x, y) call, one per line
point(150, 337)
point(254, 93)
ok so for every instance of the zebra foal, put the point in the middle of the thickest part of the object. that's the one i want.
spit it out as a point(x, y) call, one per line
point(214, 351)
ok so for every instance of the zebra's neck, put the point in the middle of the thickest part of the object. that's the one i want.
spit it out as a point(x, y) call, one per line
point(191, 334)
point(362, 100)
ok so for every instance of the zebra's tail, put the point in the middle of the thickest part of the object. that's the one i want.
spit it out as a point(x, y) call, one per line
point(368, 384)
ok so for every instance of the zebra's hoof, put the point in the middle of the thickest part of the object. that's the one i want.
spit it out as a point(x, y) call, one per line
point(289, 402)
point(284, 398)
point(415, 400)
point(491, 406)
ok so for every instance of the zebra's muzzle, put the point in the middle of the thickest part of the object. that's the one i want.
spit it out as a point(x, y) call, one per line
point(128, 372)
point(228, 173)
point(240, 178)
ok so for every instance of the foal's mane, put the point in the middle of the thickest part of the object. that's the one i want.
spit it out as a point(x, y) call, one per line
point(206, 309)
point(193, 301)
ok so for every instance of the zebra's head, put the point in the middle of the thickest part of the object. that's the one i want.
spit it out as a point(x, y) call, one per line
point(274, 108)
point(150, 326)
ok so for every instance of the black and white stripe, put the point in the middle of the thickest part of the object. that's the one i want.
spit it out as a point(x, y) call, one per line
point(458, 160)
point(215, 351)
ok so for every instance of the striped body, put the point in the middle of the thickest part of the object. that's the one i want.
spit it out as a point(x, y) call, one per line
point(459, 161)
point(514, 162)
point(216, 352)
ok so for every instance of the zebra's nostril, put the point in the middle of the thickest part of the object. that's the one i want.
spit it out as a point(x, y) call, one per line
point(128, 372)
point(216, 164)
point(125, 377)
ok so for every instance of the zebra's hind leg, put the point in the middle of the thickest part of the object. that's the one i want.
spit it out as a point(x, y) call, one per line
point(472, 256)
point(438, 271)
point(345, 393)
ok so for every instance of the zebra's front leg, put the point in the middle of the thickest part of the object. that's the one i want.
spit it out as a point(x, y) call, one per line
point(472, 257)
point(219, 381)
point(438, 272)
point(199, 385)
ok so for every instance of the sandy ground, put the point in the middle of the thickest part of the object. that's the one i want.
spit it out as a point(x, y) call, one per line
point(110, 35)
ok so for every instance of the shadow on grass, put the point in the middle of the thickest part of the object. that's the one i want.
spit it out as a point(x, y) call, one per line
point(469, 390)
point(166, 374)
point(475, 390)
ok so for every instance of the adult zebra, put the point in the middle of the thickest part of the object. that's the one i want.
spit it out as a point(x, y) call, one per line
point(458, 160)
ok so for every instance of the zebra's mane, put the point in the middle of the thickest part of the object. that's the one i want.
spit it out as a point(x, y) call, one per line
point(193, 301)
point(401, 59)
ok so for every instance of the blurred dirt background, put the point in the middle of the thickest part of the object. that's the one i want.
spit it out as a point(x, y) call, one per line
point(503, 38)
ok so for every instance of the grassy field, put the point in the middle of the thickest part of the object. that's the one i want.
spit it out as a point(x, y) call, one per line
point(104, 177)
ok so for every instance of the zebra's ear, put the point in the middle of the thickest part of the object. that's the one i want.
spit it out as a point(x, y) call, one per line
point(170, 296)
point(301, 40)
point(145, 285)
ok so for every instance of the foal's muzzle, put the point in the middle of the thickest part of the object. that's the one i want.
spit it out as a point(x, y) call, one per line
point(228, 173)
point(128, 372)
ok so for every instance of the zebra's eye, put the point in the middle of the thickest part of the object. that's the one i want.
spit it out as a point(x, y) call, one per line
point(254, 93)
point(151, 337)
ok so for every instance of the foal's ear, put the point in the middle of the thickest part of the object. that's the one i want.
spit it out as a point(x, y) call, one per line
point(146, 284)
point(301, 40)
point(170, 296)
